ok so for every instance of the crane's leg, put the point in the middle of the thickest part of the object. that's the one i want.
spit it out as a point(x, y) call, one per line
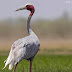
point(15, 67)
point(30, 65)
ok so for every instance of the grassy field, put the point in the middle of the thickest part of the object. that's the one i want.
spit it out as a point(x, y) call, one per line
point(42, 63)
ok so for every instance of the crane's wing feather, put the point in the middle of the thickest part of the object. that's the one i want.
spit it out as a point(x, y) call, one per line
point(23, 48)
point(14, 53)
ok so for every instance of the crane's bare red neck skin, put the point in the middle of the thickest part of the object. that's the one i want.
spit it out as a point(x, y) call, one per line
point(31, 8)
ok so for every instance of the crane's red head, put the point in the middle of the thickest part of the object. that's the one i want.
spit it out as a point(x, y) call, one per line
point(28, 7)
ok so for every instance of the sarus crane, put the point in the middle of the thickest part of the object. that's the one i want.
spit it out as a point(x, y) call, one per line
point(24, 48)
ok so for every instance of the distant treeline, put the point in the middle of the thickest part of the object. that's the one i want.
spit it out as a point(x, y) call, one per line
point(15, 28)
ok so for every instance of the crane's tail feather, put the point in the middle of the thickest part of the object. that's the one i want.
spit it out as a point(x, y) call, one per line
point(10, 66)
point(5, 66)
point(5, 63)
point(8, 61)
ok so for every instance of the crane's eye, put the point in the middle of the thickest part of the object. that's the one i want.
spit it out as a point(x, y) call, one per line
point(29, 7)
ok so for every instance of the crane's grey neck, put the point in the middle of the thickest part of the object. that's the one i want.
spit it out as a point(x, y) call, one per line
point(28, 25)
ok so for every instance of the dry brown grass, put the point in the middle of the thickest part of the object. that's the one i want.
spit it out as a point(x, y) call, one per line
point(45, 44)
point(56, 43)
point(48, 46)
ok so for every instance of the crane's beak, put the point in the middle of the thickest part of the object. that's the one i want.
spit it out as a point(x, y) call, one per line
point(21, 8)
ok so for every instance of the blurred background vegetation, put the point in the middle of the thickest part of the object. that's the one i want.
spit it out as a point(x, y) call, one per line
point(52, 23)
point(53, 34)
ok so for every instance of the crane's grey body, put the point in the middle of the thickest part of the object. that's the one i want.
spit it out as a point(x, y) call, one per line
point(24, 48)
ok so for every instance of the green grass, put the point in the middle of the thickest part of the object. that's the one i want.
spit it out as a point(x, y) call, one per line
point(43, 63)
